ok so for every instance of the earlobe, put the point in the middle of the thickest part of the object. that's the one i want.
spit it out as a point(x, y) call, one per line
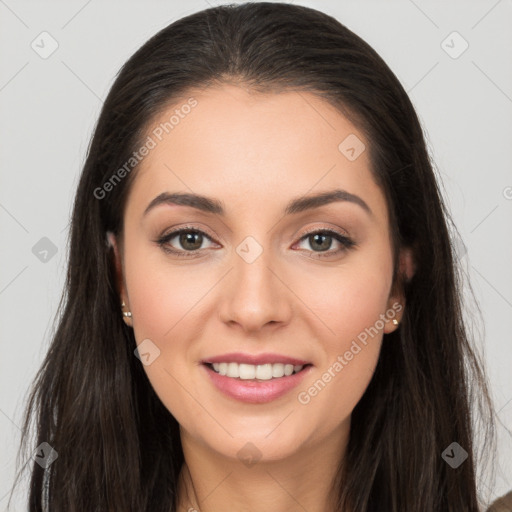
point(394, 314)
point(118, 266)
point(396, 302)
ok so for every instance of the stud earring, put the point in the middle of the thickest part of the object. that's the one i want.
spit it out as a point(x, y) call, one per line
point(127, 314)
point(395, 321)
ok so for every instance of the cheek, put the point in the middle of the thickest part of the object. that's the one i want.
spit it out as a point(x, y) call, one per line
point(163, 300)
point(348, 300)
point(348, 320)
point(161, 295)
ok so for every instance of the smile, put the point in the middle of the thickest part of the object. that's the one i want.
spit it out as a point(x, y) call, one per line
point(261, 371)
point(255, 384)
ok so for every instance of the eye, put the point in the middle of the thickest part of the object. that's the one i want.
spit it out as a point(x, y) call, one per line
point(321, 241)
point(190, 241)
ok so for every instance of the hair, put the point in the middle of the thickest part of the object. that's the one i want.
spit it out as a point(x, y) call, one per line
point(118, 446)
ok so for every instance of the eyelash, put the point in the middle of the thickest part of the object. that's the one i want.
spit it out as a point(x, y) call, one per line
point(346, 242)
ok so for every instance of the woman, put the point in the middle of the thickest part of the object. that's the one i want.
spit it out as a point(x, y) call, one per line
point(262, 309)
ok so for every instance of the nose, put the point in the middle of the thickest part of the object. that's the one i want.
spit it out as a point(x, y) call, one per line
point(255, 295)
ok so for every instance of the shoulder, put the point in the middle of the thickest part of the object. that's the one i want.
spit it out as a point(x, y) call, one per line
point(503, 504)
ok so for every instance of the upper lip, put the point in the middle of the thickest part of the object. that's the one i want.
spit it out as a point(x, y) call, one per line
point(255, 359)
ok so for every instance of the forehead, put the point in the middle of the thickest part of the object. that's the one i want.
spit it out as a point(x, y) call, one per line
point(247, 147)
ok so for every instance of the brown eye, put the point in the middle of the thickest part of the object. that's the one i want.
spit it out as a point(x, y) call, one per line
point(191, 240)
point(188, 242)
point(321, 240)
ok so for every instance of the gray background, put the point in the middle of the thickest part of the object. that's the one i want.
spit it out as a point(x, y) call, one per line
point(49, 107)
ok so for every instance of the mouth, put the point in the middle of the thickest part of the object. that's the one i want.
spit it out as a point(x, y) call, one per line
point(255, 384)
point(258, 373)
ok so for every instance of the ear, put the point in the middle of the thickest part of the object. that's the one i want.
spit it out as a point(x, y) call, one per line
point(118, 264)
point(396, 301)
point(114, 244)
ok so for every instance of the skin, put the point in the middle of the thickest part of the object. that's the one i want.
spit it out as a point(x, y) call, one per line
point(255, 152)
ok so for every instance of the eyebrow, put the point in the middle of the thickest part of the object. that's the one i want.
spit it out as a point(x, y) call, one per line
point(298, 205)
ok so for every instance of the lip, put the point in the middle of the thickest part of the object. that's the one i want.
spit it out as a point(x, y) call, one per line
point(255, 391)
point(240, 358)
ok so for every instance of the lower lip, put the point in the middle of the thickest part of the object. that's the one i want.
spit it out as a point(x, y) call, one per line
point(256, 391)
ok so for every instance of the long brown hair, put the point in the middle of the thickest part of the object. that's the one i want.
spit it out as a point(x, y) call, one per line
point(118, 447)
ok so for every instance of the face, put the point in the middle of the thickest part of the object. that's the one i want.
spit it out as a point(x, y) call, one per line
point(253, 279)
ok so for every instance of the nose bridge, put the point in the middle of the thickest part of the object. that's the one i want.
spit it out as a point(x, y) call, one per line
point(256, 296)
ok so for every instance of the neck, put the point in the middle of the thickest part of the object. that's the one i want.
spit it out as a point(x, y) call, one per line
point(210, 482)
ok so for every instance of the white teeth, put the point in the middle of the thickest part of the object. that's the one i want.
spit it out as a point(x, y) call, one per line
point(246, 371)
point(261, 371)
point(233, 370)
point(264, 371)
point(277, 370)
